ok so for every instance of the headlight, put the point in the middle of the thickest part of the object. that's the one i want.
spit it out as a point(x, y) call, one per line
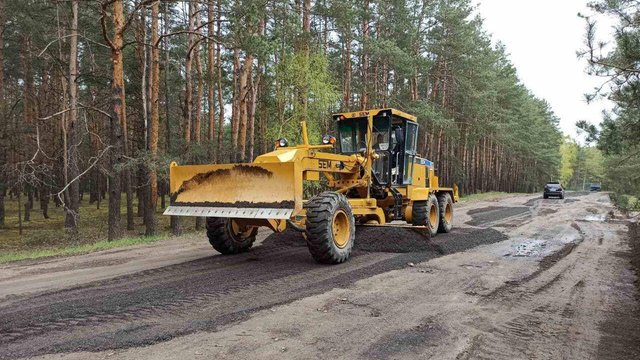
point(282, 142)
point(328, 139)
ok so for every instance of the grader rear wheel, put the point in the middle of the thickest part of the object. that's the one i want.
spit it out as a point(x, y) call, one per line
point(330, 228)
point(446, 213)
point(228, 237)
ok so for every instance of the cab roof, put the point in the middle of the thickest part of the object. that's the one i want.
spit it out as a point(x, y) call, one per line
point(374, 112)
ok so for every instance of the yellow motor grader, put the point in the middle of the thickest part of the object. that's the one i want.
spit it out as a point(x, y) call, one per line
point(375, 176)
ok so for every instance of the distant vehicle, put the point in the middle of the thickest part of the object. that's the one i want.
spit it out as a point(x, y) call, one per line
point(596, 187)
point(553, 188)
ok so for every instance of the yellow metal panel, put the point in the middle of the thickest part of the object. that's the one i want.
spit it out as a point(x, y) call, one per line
point(311, 175)
point(374, 112)
point(433, 179)
point(371, 202)
point(419, 193)
point(419, 175)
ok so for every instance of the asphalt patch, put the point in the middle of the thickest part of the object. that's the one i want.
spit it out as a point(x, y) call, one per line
point(491, 214)
point(533, 201)
point(368, 239)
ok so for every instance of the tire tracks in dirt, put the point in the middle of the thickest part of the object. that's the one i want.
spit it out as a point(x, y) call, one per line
point(538, 315)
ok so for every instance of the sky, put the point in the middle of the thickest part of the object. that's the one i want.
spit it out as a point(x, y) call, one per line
point(542, 37)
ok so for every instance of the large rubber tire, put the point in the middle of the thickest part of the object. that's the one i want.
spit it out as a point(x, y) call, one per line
point(445, 207)
point(330, 228)
point(426, 213)
point(419, 213)
point(545, 196)
point(225, 240)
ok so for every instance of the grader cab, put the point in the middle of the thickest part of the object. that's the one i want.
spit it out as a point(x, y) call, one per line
point(376, 178)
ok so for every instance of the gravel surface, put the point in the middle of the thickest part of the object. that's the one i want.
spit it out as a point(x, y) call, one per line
point(487, 215)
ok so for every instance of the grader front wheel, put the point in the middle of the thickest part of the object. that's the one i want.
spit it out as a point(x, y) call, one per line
point(228, 237)
point(330, 228)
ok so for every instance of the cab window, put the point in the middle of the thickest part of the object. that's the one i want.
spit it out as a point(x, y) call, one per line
point(350, 136)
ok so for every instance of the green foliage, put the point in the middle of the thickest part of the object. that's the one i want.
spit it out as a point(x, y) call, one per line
point(581, 165)
point(293, 72)
point(569, 152)
point(619, 135)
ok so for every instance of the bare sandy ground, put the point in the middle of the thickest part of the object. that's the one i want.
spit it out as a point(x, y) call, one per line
point(521, 278)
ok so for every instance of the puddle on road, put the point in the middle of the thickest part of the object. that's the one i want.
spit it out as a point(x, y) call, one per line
point(528, 248)
point(596, 217)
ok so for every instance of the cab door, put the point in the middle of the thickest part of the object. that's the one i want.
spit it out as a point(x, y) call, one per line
point(410, 151)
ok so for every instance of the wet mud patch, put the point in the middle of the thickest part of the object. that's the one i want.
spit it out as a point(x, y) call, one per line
point(408, 342)
point(530, 248)
point(545, 264)
point(620, 336)
point(493, 213)
point(547, 211)
point(533, 201)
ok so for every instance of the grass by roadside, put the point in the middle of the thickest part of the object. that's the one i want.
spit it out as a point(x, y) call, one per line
point(43, 238)
point(76, 249)
point(625, 203)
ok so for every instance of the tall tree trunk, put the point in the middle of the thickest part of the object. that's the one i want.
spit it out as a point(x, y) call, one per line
point(72, 208)
point(198, 100)
point(303, 92)
point(188, 98)
point(245, 76)
point(235, 107)
point(211, 85)
point(28, 111)
point(197, 131)
point(117, 123)
point(154, 86)
point(364, 104)
point(142, 128)
point(255, 90)
point(346, 94)
point(118, 80)
point(167, 63)
point(3, 120)
point(219, 82)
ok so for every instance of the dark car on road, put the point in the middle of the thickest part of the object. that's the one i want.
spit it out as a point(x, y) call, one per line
point(553, 188)
point(595, 187)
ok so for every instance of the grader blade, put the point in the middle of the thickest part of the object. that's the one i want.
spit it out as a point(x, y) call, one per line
point(254, 191)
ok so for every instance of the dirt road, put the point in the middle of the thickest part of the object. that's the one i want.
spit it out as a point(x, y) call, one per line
point(519, 278)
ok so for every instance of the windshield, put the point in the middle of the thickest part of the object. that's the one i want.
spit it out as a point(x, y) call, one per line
point(353, 134)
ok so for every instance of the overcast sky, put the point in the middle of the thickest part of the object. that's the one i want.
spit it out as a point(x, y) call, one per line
point(542, 37)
